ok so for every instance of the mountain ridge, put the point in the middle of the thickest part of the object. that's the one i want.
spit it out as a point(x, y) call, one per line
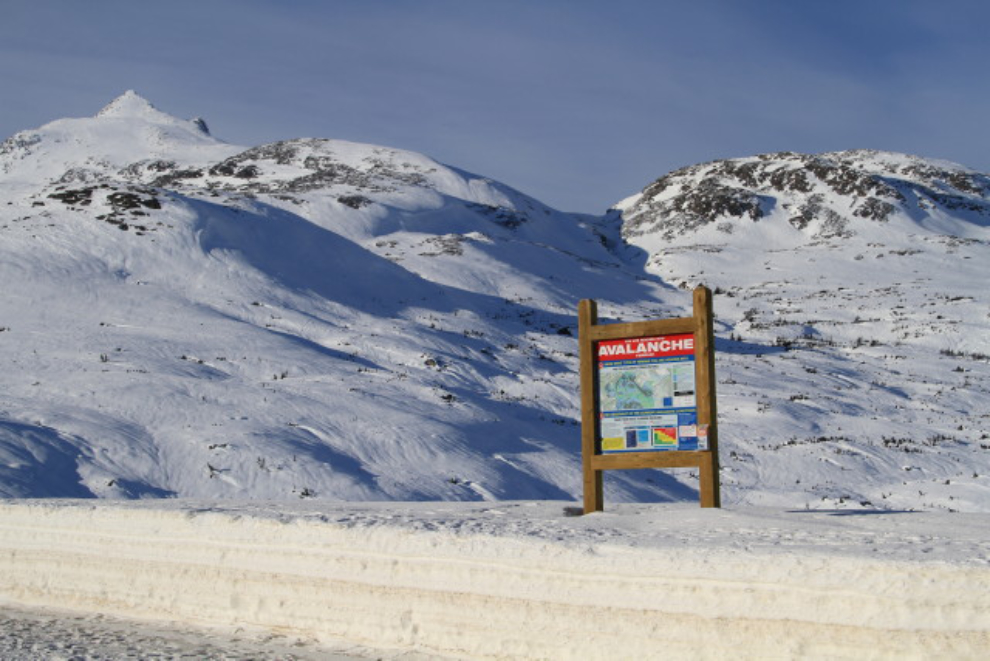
point(823, 192)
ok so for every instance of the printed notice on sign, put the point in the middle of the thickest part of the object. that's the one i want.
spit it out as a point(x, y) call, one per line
point(646, 395)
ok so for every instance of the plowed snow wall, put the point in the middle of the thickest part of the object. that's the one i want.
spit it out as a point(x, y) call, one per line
point(482, 596)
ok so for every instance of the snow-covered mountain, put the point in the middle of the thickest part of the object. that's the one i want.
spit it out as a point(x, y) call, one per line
point(852, 293)
point(319, 318)
point(313, 317)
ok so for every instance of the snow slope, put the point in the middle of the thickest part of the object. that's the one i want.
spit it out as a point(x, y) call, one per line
point(520, 579)
point(312, 318)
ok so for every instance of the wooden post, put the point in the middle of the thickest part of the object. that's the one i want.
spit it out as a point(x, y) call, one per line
point(588, 317)
point(594, 462)
point(704, 369)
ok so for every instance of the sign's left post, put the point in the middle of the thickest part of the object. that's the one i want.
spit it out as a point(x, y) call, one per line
point(588, 317)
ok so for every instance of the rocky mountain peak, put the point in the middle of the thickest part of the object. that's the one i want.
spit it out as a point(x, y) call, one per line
point(200, 123)
point(128, 130)
point(822, 195)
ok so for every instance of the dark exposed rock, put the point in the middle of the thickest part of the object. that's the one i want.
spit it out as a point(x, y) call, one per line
point(80, 196)
point(172, 178)
point(142, 169)
point(500, 215)
point(283, 152)
point(224, 169)
point(448, 244)
point(848, 180)
point(973, 183)
point(354, 201)
point(319, 167)
point(287, 168)
point(248, 172)
point(80, 176)
point(694, 207)
point(874, 209)
point(19, 144)
point(711, 199)
point(160, 166)
point(234, 168)
point(122, 200)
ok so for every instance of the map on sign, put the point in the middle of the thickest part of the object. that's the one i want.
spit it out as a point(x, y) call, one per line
point(651, 386)
point(646, 394)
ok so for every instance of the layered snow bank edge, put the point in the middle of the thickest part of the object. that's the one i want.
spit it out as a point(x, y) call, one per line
point(519, 580)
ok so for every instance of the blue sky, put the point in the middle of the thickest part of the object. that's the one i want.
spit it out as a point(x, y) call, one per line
point(576, 103)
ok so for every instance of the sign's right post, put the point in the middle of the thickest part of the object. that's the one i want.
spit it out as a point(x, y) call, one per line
point(704, 366)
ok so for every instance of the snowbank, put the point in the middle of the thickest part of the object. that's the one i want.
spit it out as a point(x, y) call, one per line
point(519, 580)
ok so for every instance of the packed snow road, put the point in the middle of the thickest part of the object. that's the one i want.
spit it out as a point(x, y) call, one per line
point(502, 580)
point(53, 635)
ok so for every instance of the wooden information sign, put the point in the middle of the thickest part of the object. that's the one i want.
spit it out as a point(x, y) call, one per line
point(648, 397)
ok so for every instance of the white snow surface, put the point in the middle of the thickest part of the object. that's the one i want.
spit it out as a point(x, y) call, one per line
point(518, 579)
point(257, 357)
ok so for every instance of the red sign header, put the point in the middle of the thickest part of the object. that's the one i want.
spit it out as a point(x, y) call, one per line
point(646, 347)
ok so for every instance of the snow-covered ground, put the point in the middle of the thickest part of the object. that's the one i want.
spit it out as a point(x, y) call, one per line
point(519, 579)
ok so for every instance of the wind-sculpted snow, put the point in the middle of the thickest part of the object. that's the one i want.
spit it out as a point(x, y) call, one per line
point(519, 580)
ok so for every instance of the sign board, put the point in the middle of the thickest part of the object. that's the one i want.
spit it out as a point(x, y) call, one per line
point(648, 397)
point(646, 394)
